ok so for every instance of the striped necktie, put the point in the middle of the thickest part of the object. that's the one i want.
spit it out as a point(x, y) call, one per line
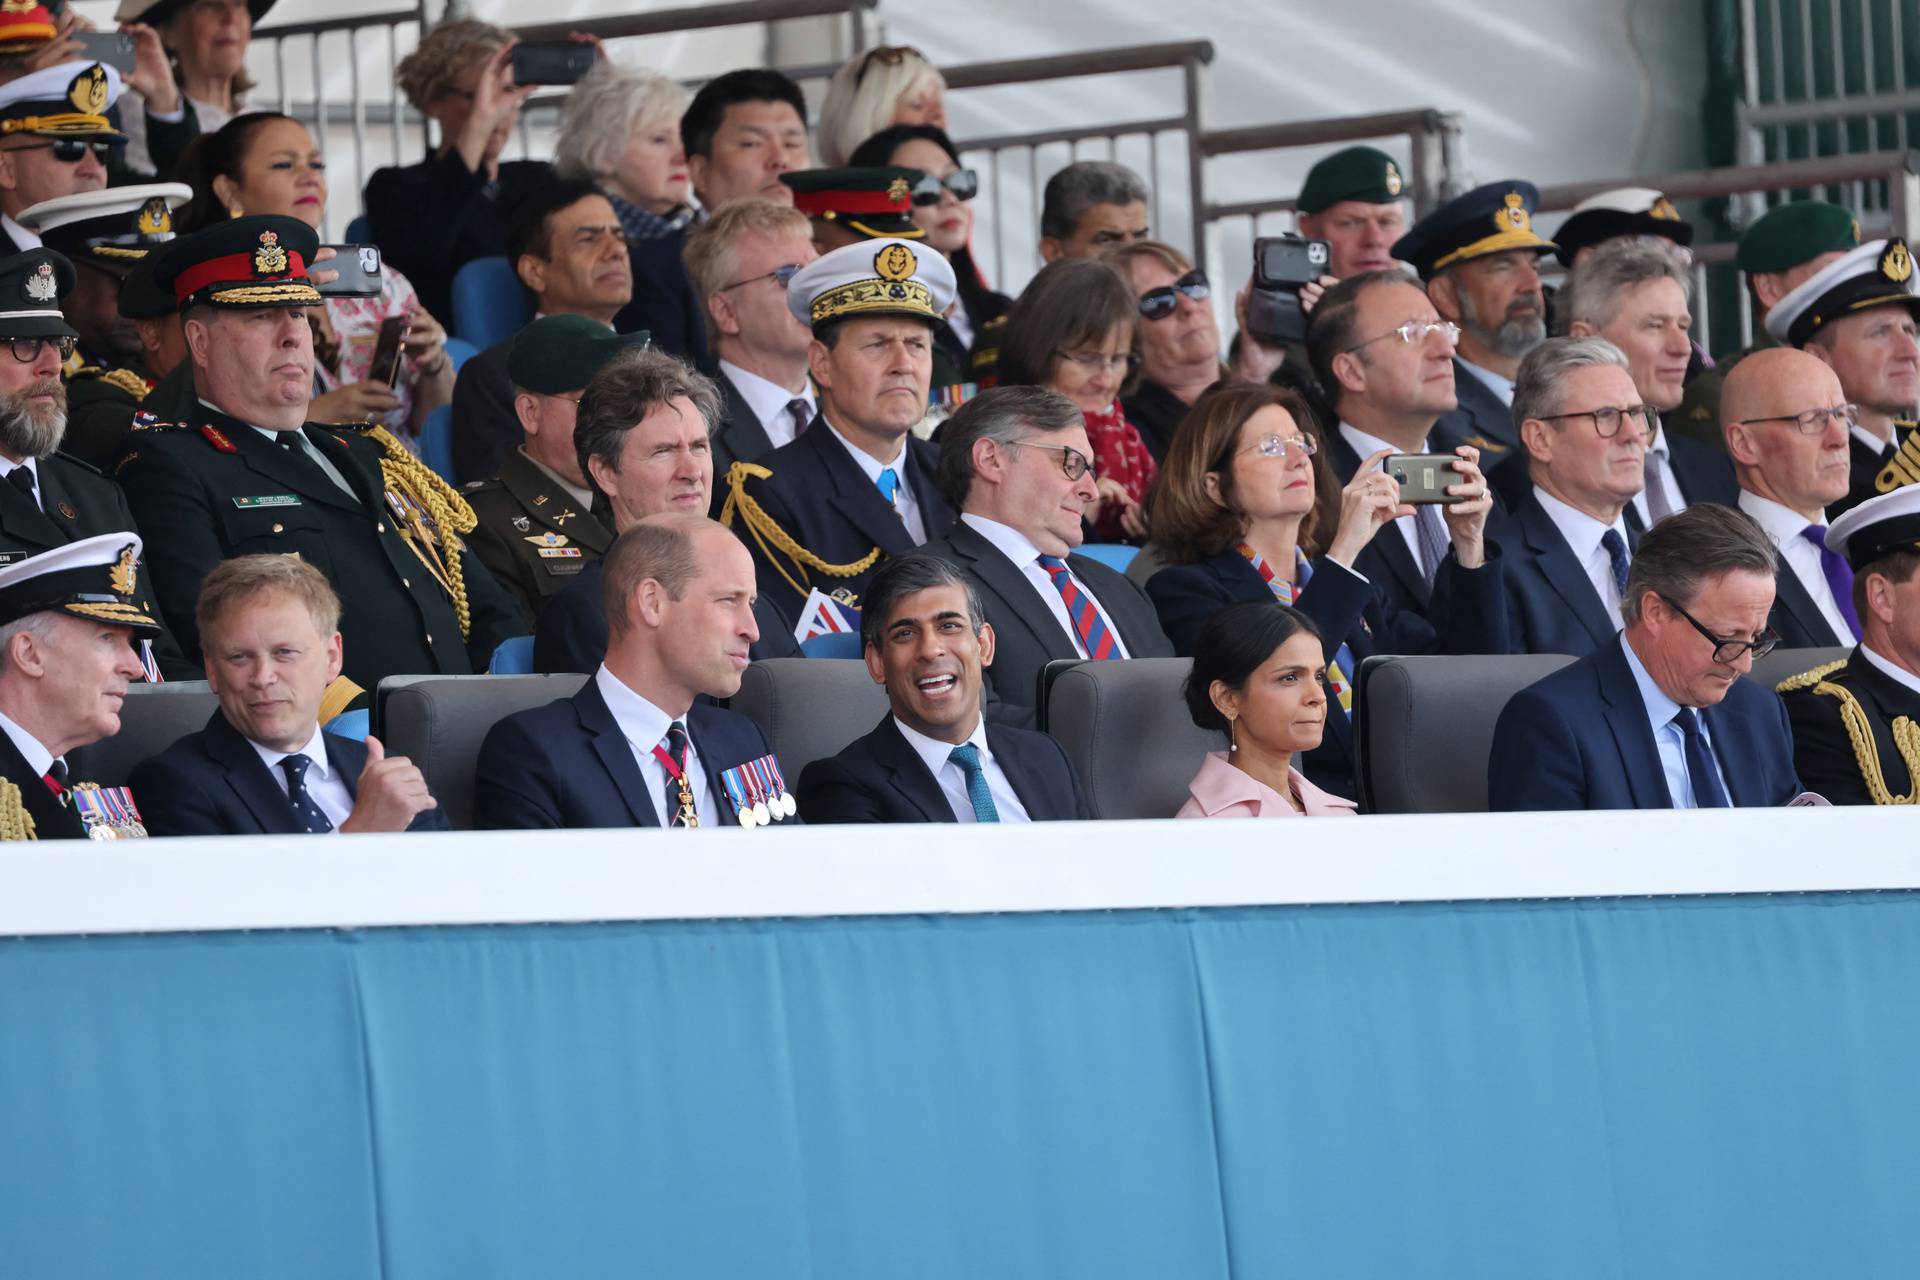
point(1095, 639)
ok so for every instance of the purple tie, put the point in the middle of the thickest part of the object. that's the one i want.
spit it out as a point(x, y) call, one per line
point(1839, 576)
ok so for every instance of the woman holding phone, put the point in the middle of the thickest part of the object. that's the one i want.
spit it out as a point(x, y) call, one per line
point(268, 163)
point(1247, 510)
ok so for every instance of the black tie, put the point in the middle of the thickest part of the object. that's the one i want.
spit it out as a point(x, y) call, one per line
point(1617, 557)
point(800, 413)
point(56, 778)
point(1700, 771)
point(22, 479)
point(305, 811)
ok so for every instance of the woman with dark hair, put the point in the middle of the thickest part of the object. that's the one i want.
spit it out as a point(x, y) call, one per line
point(1260, 677)
point(1072, 331)
point(1247, 510)
point(264, 162)
point(942, 208)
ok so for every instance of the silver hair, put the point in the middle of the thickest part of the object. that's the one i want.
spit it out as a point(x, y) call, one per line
point(28, 431)
point(607, 107)
point(1000, 415)
point(39, 625)
point(1593, 289)
point(1536, 388)
point(1678, 556)
point(1082, 185)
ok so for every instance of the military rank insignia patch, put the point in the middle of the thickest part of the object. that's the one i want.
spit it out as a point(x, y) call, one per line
point(154, 218)
point(88, 91)
point(1896, 263)
point(898, 190)
point(1392, 180)
point(522, 523)
point(40, 285)
point(1513, 216)
point(1664, 210)
point(895, 263)
point(217, 438)
point(270, 259)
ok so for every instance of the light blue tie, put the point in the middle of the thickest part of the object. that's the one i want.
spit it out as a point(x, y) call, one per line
point(967, 756)
point(889, 482)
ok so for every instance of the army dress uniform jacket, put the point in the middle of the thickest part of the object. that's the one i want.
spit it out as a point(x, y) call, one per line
point(219, 489)
point(1856, 732)
point(101, 401)
point(533, 536)
point(78, 502)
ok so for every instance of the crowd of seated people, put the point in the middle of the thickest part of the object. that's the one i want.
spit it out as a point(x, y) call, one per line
point(753, 405)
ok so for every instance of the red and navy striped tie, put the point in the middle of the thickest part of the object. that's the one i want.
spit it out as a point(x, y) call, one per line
point(1087, 622)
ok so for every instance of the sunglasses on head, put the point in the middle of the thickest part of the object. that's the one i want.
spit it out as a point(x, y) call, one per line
point(964, 183)
point(69, 150)
point(1158, 304)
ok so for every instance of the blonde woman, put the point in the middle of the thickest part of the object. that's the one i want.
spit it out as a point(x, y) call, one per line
point(888, 85)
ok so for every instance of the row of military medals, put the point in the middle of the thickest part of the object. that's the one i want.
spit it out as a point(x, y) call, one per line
point(758, 792)
point(108, 813)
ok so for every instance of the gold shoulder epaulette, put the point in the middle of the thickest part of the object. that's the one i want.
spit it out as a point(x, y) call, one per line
point(15, 822)
point(126, 380)
point(1807, 679)
point(775, 542)
point(1906, 740)
point(415, 481)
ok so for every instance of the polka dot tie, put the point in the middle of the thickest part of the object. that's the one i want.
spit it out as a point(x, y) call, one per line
point(305, 811)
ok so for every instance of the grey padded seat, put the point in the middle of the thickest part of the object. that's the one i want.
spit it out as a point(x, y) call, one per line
point(439, 722)
point(1424, 727)
point(1126, 730)
point(153, 718)
point(1782, 664)
point(809, 708)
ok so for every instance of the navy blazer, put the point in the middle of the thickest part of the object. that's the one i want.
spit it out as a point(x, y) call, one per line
point(824, 501)
point(1704, 474)
point(1580, 739)
point(567, 764)
point(571, 632)
point(1348, 610)
point(1026, 634)
point(738, 438)
point(213, 783)
point(1551, 604)
point(1387, 560)
point(880, 778)
point(663, 301)
point(1482, 420)
point(1796, 617)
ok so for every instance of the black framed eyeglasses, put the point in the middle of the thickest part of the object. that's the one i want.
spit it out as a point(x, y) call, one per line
point(69, 150)
point(1727, 650)
point(1158, 304)
point(781, 273)
point(1607, 418)
point(1094, 361)
point(1814, 421)
point(27, 350)
point(963, 183)
point(1073, 463)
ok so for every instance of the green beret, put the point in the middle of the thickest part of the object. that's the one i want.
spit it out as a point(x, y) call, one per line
point(1790, 234)
point(558, 354)
point(1357, 173)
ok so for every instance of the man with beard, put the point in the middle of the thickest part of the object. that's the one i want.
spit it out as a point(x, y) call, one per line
point(1479, 258)
point(49, 499)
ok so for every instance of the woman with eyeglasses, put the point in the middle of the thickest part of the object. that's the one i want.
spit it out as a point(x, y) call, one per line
point(1179, 338)
point(1259, 678)
point(268, 163)
point(942, 208)
point(206, 43)
point(887, 85)
point(1072, 332)
point(1248, 510)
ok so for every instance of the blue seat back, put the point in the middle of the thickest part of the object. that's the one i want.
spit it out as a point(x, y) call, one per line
point(350, 724)
point(1115, 555)
point(459, 350)
point(489, 304)
point(436, 443)
point(514, 657)
point(839, 644)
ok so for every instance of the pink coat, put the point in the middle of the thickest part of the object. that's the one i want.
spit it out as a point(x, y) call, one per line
point(1221, 791)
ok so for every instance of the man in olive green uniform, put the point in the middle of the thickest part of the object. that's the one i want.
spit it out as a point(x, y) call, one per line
point(537, 530)
point(105, 234)
point(1856, 724)
point(244, 472)
point(1780, 251)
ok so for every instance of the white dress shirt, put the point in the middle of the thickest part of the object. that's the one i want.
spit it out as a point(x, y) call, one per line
point(953, 779)
point(38, 758)
point(1017, 547)
point(1669, 739)
point(1662, 458)
point(306, 450)
point(1583, 534)
point(769, 401)
point(1898, 674)
point(1783, 525)
point(22, 237)
point(584, 497)
point(645, 727)
point(7, 468)
point(1502, 387)
point(325, 787)
point(903, 500)
point(1366, 446)
point(1870, 440)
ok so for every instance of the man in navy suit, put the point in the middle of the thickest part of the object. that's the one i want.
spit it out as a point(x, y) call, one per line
point(1017, 463)
point(935, 758)
point(1787, 422)
point(270, 634)
point(856, 486)
point(632, 748)
point(1659, 718)
point(1585, 429)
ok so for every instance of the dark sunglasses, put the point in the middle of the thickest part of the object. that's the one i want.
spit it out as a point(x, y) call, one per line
point(69, 150)
point(1158, 304)
point(964, 183)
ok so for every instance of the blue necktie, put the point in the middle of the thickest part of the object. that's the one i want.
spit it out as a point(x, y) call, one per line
point(967, 756)
point(889, 482)
point(305, 811)
point(1701, 774)
point(1617, 553)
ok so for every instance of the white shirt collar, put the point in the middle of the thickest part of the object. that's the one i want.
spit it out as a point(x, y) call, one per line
point(1657, 444)
point(869, 464)
point(1502, 387)
point(767, 399)
point(8, 467)
point(22, 238)
point(1887, 668)
point(933, 753)
point(38, 758)
point(1366, 446)
point(1870, 440)
point(1582, 531)
point(582, 496)
point(644, 724)
point(1006, 539)
point(1660, 708)
point(1782, 523)
point(314, 750)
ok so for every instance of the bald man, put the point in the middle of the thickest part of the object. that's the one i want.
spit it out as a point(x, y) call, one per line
point(1787, 422)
